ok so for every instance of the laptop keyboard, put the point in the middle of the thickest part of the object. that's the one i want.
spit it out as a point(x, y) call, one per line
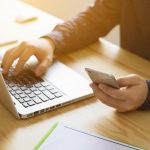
point(30, 90)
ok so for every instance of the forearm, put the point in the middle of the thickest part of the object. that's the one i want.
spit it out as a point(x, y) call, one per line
point(87, 27)
point(146, 104)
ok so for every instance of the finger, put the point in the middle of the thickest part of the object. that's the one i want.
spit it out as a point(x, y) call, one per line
point(43, 66)
point(115, 93)
point(22, 60)
point(8, 60)
point(5, 57)
point(128, 80)
point(106, 99)
point(15, 53)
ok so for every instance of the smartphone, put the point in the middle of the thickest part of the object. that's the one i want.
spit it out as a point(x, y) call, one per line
point(100, 77)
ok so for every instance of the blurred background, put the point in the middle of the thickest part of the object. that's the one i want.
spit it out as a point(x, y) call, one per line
point(66, 9)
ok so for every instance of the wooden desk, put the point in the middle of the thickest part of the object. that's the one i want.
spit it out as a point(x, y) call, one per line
point(89, 114)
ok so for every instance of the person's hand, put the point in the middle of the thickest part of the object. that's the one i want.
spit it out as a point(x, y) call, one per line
point(42, 48)
point(131, 95)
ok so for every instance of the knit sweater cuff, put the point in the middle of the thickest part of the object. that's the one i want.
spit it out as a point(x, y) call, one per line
point(146, 104)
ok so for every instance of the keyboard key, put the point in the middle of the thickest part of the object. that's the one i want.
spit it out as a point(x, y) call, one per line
point(37, 92)
point(21, 100)
point(23, 88)
point(42, 89)
point(11, 85)
point(25, 104)
point(58, 95)
point(14, 88)
point(49, 87)
point(43, 97)
point(45, 84)
point(31, 95)
point(53, 90)
point(31, 103)
point(33, 89)
point(37, 85)
point(22, 95)
point(13, 92)
point(28, 91)
point(26, 99)
point(48, 94)
point(17, 96)
point(37, 100)
point(18, 92)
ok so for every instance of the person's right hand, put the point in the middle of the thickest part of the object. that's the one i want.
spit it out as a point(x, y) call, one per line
point(131, 95)
point(42, 48)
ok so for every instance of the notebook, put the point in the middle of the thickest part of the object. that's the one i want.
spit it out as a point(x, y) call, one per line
point(64, 137)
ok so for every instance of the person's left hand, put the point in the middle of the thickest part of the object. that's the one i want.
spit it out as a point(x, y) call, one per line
point(42, 48)
point(131, 95)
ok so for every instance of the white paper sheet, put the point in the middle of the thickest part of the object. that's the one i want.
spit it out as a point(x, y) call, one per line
point(67, 138)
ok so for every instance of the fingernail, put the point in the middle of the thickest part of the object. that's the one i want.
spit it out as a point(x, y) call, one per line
point(37, 73)
point(15, 73)
point(1, 70)
point(4, 72)
point(90, 84)
point(100, 86)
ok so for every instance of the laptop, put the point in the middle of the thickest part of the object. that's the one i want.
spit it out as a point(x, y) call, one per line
point(27, 95)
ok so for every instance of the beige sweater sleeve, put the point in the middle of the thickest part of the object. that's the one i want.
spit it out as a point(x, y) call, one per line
point(87, 27)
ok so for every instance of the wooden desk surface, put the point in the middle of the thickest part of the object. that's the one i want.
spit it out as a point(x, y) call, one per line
point(89, 114)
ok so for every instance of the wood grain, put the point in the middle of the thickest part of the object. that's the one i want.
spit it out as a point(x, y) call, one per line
point(89, 114)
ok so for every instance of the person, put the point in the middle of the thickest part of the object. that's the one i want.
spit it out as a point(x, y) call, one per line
point(85, 29)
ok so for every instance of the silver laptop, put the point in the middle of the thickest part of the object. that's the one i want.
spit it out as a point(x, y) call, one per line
point(26, 95)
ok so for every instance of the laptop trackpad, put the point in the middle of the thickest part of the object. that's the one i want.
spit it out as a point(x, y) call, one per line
point(67, 80)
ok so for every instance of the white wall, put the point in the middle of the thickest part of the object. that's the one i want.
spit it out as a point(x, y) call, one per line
point(65, 9)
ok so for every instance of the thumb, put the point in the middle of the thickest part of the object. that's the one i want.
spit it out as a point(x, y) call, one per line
point(128, 80)
point(42, 67)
